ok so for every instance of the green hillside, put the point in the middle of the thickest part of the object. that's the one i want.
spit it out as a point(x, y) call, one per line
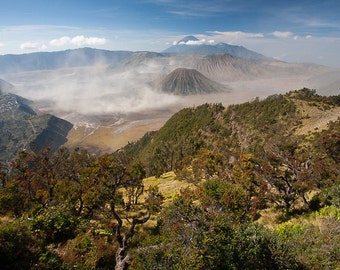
point(22, 128)
point(250, 127)
point(248, 186)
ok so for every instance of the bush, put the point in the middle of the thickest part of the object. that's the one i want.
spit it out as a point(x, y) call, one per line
point(317, 246)
point(256, 247)
point(55, 224)
point(18, 250)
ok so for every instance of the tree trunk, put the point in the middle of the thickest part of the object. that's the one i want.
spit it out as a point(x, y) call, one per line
point(122, 260)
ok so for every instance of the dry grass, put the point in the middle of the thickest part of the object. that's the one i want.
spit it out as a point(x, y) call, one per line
point(270, 217)
point(109, 138)
point(315, 117)
point(168, 185)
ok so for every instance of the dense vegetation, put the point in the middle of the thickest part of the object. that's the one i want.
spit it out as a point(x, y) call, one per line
point(260, 195)
point(22, 128)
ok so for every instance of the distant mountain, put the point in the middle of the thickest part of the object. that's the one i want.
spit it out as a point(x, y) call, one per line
point(21, 127)
point(188, 39)
point(191, 45)
point(10, 63)
point(184, 82)
point(221, 68)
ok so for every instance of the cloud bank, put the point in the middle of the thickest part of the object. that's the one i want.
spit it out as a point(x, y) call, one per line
point(32, 46)
point(78, 41)
point(92, 91)
point(280, 34)
point(65, 41)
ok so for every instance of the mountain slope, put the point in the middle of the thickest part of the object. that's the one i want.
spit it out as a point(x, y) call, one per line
point(22, 128)
point(184, 81)
point(221, 68)
point(5, 87)
point(251, 127)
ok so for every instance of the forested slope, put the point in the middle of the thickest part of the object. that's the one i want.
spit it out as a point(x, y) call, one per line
point(258, 191)
point(23, 128)
point(252, 127)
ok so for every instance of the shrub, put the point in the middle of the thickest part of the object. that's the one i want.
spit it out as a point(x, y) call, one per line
point(55, 224)
point(18, 250)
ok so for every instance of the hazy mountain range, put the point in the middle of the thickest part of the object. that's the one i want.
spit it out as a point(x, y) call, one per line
point(61, 59)
point(119, 95)
point(87, 56)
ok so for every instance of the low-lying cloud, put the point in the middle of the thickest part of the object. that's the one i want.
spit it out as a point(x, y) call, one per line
point(91, 91)
point(78, 41)
point(280, 34)
point(195, 42)
point(32, 46)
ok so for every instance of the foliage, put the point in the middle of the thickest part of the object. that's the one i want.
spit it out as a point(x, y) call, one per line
point(55, 224)
point(94, 212)
point(316, 244)
point(17, 246)
point(22, 128)
point(196, 239)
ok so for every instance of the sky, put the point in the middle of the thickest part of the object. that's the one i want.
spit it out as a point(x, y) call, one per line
point(293, 31)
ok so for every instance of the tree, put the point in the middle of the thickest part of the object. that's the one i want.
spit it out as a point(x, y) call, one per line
point(289, 175)
point(193, 238)
point(114, 177)
point(76, 184)
point(35, 180)
point(206, 165)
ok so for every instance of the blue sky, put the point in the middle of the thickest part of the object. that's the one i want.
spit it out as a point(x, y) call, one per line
point(294, 31)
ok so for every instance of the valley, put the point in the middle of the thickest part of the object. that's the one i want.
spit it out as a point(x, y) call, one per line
point(115, 101)
point(110, 131)
point(209, 145)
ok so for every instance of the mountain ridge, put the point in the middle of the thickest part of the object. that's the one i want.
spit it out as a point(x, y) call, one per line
point(13, 63)
point(192, 45)
point(244, 128)
point(21, 127)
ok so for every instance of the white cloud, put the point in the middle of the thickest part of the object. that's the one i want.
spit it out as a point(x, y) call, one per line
point(60, 41)
point(91, 41)
point(280, 34)
point(308, 36)
point(78, 41)
point(234, 37)
point(29, 46)
point(193, 42)
point(2, 44)
point(237, 34)
point(32, 46)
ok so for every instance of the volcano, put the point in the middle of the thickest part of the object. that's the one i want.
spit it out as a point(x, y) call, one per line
point(186, 82)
